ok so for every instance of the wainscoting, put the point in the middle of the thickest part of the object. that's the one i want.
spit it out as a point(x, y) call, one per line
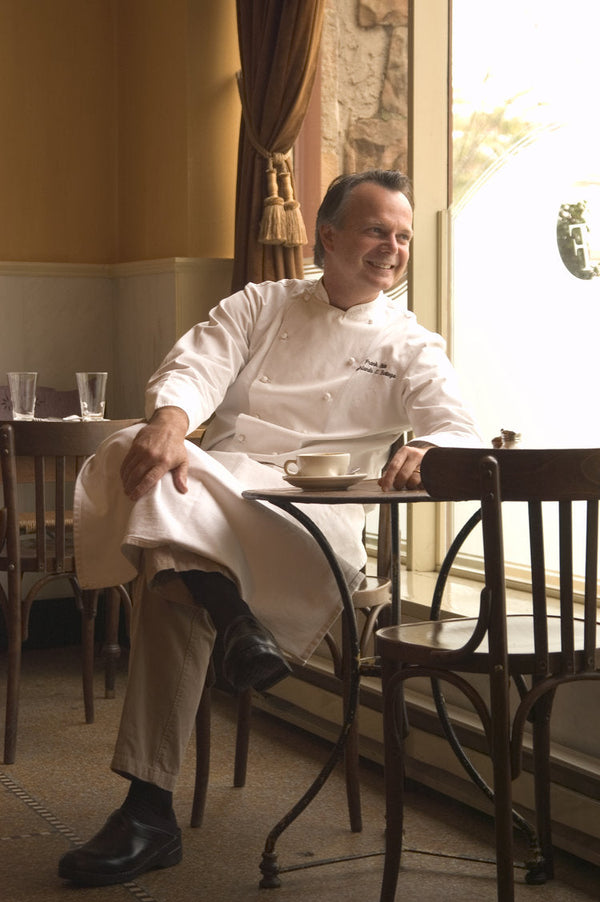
point(58, 319)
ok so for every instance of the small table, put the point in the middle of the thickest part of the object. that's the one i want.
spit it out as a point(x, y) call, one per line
point(366, 492)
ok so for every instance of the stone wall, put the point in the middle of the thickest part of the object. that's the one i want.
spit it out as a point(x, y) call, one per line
point(364, 97)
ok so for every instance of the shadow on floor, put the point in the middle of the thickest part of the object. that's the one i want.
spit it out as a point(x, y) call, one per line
point(60, 791)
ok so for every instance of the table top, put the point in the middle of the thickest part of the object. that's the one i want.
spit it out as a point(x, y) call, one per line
point(368, 491)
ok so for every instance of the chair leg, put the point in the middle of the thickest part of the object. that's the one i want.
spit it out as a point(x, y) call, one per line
point(503, 813)
point(393, 740)
point(89, 602)
point(13, 679)
point(242, 740)
point(111, 648)
point(351, 765)
point(541, 757)
point(202, 750)
point(351, 749)
point(203, 724)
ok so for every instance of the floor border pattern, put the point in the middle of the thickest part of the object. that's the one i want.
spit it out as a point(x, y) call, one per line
point(58, 827)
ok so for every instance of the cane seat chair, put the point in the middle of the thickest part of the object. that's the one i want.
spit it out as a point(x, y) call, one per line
point(40, 461)
point(553, 643)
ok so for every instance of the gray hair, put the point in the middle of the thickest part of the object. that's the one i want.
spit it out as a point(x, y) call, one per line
point(334, 203)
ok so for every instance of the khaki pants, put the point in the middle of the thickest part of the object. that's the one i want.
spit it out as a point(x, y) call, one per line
point(172, 640)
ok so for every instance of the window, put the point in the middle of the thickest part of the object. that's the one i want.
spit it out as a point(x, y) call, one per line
point(510, 215)
point(526, 179)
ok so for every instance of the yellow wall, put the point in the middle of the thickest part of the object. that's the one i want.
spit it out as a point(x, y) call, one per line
point(178, 128)
point(58, 125)
point(119, 122)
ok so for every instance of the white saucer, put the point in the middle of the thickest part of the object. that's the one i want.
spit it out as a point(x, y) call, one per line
point(325, 483)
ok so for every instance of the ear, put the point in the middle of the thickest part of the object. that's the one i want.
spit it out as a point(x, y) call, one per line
point(327, 234)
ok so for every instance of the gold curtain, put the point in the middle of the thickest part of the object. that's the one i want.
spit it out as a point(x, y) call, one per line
point(279, 46)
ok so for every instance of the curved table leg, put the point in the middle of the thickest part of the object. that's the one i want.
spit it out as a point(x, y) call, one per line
point(269, 866)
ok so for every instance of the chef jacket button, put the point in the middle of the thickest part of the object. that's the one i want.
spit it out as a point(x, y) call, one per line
point(284, 336)
point(264, 379)
point(241, 438)
point(327, 396)
point(351, 361)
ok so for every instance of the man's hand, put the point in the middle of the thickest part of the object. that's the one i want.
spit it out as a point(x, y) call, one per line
point(158, 448)
point(404, 469)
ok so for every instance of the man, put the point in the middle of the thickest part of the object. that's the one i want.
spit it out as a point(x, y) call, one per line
point(282, 367)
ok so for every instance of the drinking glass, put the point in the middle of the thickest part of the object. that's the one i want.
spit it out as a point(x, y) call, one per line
point(92, 394)
point(22, 394)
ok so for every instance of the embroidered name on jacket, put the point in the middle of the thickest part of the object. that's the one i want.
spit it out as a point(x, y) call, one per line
point(375, 368)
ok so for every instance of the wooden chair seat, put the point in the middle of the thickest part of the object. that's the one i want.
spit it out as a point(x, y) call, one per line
point(415, 643)
point(372, 591)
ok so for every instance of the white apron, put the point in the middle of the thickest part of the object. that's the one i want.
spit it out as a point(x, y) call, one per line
point(281, 572)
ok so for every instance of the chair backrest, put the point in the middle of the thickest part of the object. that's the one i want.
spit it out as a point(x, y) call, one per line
point(564, 476)
point(525, 474)
point(48, 455)
point(49, 402)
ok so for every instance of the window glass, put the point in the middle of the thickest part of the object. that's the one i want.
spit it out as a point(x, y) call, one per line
point(525, 220)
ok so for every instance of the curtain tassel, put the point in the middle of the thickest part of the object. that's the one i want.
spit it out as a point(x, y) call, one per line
point(272, 224)
point(295, 231)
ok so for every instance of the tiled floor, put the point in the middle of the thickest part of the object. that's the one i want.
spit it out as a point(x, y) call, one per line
point(60, 790)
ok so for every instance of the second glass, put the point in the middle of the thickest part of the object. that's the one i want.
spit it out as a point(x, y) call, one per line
point(92, 394)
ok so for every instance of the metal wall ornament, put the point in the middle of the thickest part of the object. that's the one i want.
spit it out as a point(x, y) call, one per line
point(574, 240)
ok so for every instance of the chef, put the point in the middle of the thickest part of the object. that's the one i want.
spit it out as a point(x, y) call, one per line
point(279, 368)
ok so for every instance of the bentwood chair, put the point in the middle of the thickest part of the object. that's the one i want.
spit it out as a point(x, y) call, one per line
point(553, 643)
point(40, 461)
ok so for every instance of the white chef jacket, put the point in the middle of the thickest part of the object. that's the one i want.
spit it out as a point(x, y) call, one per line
point(283, 371)
point(286, 371)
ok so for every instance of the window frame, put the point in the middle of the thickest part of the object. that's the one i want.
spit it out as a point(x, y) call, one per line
point(424, 539)
point(430, 170)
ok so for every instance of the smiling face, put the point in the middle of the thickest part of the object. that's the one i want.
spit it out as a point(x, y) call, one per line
point(369, 250)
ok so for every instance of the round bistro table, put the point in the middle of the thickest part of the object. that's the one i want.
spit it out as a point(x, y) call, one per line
point(366, 492)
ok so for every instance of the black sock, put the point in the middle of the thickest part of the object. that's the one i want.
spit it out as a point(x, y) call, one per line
point(150, 804)
point(218, 595)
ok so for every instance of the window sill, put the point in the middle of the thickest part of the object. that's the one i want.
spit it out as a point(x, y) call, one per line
point(461, 596)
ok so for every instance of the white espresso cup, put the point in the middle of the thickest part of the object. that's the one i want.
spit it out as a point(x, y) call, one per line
point(318, 463)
